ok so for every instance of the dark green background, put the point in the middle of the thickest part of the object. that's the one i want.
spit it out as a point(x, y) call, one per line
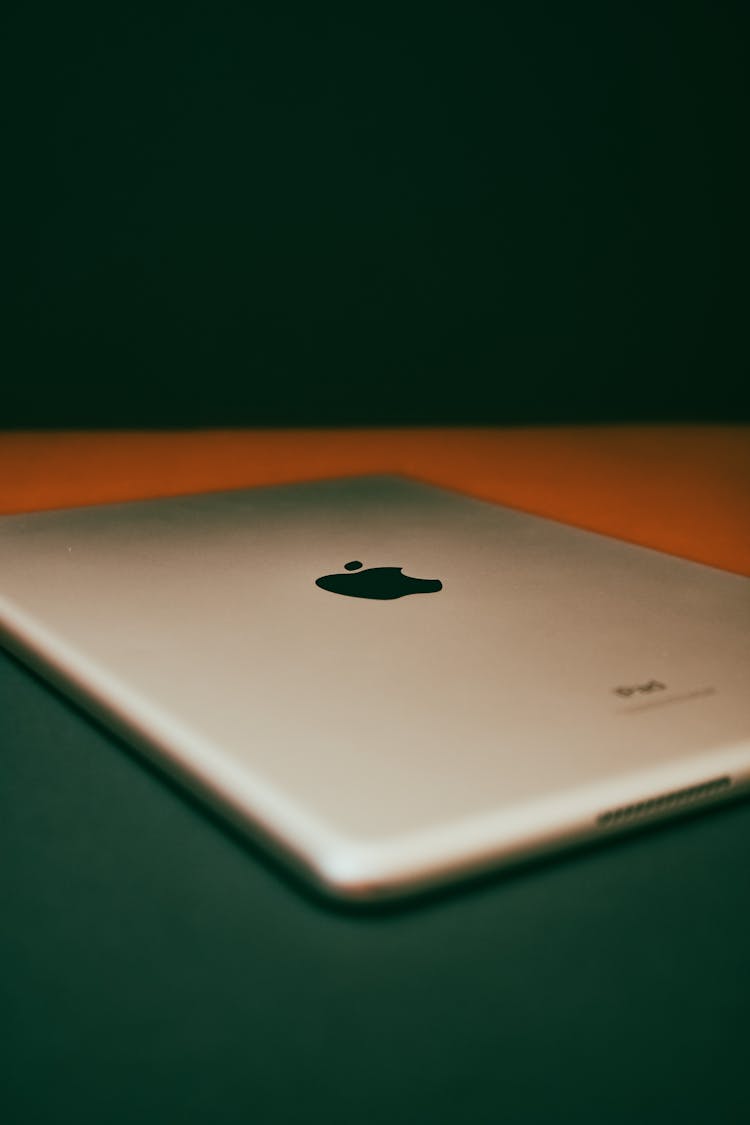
point(292, 213)
point(155, 969)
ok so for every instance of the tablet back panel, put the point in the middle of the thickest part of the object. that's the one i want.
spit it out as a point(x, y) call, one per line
point(558, 685)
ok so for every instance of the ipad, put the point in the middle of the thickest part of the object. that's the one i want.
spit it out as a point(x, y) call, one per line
point(390, 685)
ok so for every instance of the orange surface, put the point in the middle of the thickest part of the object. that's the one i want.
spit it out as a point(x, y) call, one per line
point(682, 489)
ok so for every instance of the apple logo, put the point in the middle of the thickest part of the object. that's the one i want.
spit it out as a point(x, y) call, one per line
point(381, 582)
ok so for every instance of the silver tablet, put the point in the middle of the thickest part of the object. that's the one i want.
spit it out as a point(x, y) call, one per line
point(388, 684)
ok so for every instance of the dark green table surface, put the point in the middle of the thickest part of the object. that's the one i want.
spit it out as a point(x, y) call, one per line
point(156, 969)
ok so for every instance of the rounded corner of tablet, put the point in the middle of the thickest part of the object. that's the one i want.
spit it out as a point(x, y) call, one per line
point(356, 873)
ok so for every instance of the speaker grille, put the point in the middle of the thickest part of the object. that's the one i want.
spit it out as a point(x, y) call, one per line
point(664, 802)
